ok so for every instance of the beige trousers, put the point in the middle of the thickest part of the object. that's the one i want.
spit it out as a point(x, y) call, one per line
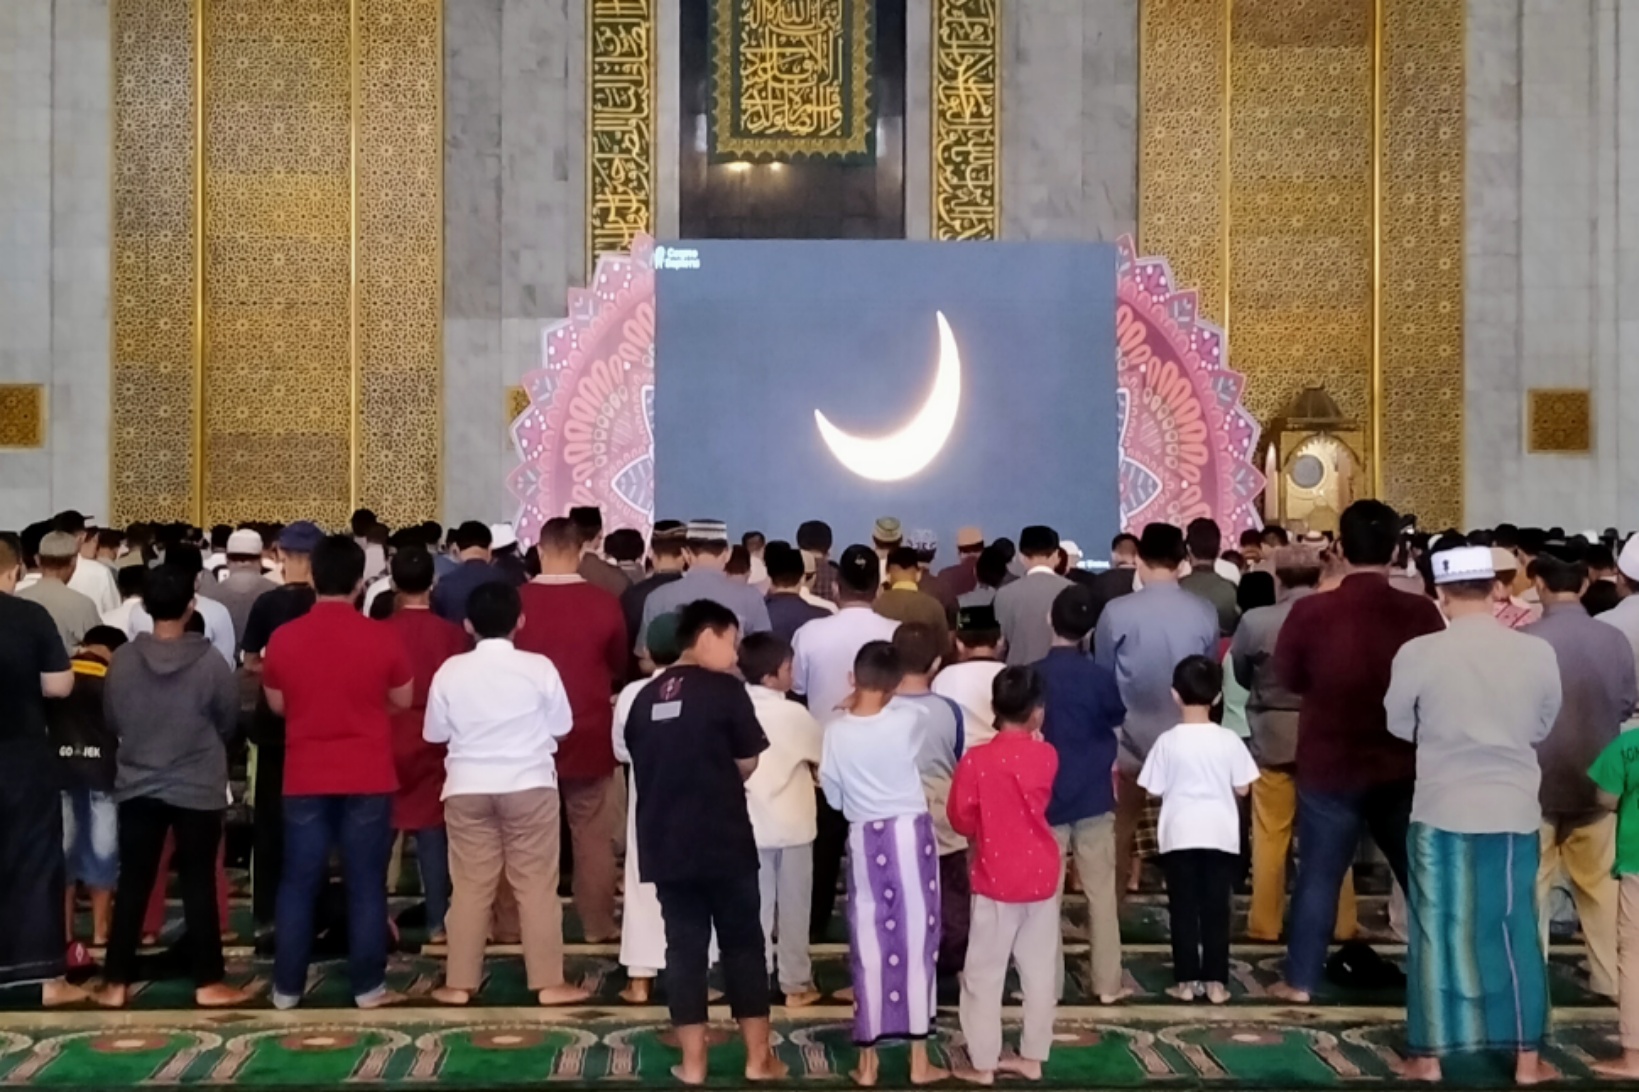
point(594, 815)
point(1091, 843)
point(1627, 940)
point(1028, 932)
point(1587, 854)
point(1274, 816)
point(515, 834)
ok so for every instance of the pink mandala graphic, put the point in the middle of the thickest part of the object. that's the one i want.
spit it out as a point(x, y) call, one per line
point(588, 434)
point(1187, 444)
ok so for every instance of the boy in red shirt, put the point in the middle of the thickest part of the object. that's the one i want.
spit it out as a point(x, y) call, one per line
point(998, 801)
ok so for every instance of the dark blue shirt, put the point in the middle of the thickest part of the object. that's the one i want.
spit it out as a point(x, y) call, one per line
point(789, 613)
point(449, 598)
point(1084, 713)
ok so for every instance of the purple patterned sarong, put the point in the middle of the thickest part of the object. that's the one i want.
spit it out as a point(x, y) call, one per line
point(893, 923)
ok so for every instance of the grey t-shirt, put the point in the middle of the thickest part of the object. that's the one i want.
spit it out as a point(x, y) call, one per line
point(746, 602)
point(73, 614)
point(1142, 637)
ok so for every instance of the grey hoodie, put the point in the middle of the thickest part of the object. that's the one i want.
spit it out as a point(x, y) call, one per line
point(174, 705)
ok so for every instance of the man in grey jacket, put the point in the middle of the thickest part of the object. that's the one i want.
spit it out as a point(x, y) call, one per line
point(173, 703)
point(1024, 606)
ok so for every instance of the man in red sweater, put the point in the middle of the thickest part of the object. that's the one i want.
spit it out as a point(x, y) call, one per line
point(581, 629)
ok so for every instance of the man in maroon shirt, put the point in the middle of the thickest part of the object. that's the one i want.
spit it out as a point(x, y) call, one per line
point(1336, 651)
point(581, 629)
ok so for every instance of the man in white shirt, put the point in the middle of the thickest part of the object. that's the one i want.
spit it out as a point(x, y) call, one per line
point(218, 622)
point(967, 682)
point(501, 712)
point(1625, 615)
point(95, 582)
point(823, 654)
point(780, 799)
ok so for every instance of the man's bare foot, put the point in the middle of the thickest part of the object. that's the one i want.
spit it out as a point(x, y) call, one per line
point(865, 1074)
point(1418, 1069)
point(439, 937)
point(446, 995)
point(1028, 1068)
point(610, 938)
point(637, 991)
point(681, 1072)
point(1280, 991)
point(802, 999)
point(221, 996)
point(1531, 1069)
point(1114, 998)
point(1217, 992)
point(110, 997)
point(769, 1068)
point(563, 995)
point(924, 1071)
point(58, 992)
point(1183, 991)
point(382, 1000)
point(974, 1076)
point(1626, 1066)
point(845, 995)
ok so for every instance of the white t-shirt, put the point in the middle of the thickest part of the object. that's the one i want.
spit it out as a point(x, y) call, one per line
point(823, 655)
point(868, 769)
point(95, 581)
point(968, 685)
point(780, 794)
point(502, 713)
point(1196, 769)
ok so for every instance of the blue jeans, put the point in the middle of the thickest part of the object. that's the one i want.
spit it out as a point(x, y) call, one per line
point(314, 826)
point(1329, 826)
point(432, 857)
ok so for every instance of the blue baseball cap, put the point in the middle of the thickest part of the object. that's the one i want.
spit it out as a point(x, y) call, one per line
point(301, 537)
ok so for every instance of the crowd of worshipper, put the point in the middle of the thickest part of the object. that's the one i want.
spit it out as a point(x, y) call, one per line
point(716, 736)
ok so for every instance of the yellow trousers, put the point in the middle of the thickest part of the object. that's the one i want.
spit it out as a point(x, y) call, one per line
point(1274, 815)
point(1587, 854)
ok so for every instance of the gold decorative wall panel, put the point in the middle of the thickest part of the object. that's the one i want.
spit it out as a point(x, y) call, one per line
point(967, 119)
point(1302, 164)
point(514, 403)
point(278, 260)
point(1558, 421)
point(154, 426)
point(1300, 202)
point(400, 220)
point(620, 76)
point(791, 78)
point(1182, 137)
point(1421, 242)
point(22, 415)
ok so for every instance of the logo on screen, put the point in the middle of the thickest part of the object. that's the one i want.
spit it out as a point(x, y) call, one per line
point(676, 257)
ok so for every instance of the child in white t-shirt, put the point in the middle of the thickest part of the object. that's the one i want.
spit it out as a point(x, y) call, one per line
point(1198, 768)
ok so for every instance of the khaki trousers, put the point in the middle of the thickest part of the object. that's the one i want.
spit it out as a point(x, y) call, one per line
point(1129, 809)
point(594, 815)
point(1627, 939)
point(1091, 843)
point(1587, 854)
point(1029, 933)
point(514, 833)
point(1274, 815)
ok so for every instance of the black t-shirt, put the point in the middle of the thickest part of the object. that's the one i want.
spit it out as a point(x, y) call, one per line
point(271, 610)
point(29, 648)
point(685, 731)
point(86, 746)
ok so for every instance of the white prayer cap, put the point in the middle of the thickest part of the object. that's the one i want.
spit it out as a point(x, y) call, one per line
point(244, 543)
point(1503, 561)
point(1628, 561)
point(501, 535)
point(1463, 563)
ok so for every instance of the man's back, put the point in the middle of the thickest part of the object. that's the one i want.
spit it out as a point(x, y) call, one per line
point(71, 612)
point(579, 627)
point(1022, 608)
point(1272, 709)
point(1597, 682)
point(745, 601)
point(449, 598)
point(1084, 715)
point(905, 604)
point(1142, 637)
point(238, 592)
point(1207, 584)
point(788, 612)
point(824, 651)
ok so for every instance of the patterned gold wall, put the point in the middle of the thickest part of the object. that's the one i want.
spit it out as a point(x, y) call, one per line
point(153, 427)
point(620, 115)
point(1289, 151)
point(311, 130)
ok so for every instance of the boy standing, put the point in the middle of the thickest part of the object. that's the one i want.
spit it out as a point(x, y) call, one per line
point(1616, 773)
point(780, 797)
point(1198, 768)
point(999, 801)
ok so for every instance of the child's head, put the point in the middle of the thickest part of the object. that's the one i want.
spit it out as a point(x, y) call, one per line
point(920, 647)
point(710, 634)
point(660, 641)
point(765, 659)
point(1197, 683)
point(494, 611)
point(1073, 614)
point(102, 641)
point(878, 669)
point(1018, 698)
point(978, 633)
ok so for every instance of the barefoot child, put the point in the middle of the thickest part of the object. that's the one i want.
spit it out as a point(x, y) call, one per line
point(999, 799)
point(1616, 773)
point(780, 797)
point(869, 773)
point(1197, 768)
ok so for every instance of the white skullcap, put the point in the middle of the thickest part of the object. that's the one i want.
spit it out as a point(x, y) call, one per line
point(1463, 563)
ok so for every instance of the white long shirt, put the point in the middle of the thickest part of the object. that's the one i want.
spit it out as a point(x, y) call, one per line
point(780, 794)
point(501, 712)
point(95, 581)
point(824, 652)
point(868, 768)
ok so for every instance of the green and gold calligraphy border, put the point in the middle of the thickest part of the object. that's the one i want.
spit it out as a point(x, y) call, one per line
point(729, 138)
point(967, 119)
point(620, 125)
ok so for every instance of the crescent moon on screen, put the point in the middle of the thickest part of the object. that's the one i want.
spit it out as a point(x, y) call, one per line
point(908, 450)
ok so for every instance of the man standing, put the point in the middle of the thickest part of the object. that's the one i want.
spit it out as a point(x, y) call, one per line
point(1272, 715)
point(1205, 542)
point(904, 601)
point(1596, 676)
point(472, 550)
point(1474, 699)
point(666, 563)
point(578, 626)
point(337, 677)
point(1142, 638)
point(1625, 615)
point(707, 553)
point(1023, 606)
point(244, 584)
point(963, 577)
point(594, 569)
point(72, 612)
point(814, 539)
point(33, 666)
point(213, 616)
point(95, 582)
point(1335, 652)
point(788, 611)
